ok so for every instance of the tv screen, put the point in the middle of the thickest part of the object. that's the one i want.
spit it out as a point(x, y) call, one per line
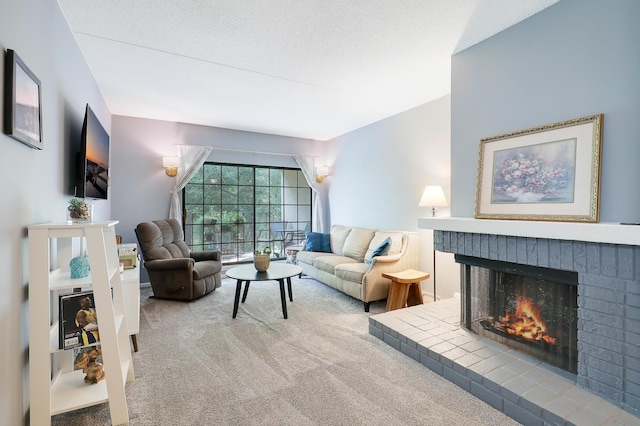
point(94, 158)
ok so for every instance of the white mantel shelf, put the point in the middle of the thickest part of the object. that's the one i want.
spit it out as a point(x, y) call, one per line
point(610, 233)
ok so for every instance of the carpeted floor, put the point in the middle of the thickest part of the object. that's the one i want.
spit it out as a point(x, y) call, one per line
point(198, 366)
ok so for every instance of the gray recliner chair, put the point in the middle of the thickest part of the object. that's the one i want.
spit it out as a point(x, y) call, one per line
point(176, 272)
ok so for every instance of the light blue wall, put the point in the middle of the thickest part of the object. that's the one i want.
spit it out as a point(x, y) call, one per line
point(576, 58)
point(36, 184)
point(378, 174)
point(140, 186)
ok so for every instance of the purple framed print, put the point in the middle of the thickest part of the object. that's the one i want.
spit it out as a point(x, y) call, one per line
point(549, 172)
point(22, 102)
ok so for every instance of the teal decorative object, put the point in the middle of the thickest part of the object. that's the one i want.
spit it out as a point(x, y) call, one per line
point(79, 267)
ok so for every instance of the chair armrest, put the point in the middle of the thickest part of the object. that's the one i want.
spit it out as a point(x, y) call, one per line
point(206, 255)
point(169, 264)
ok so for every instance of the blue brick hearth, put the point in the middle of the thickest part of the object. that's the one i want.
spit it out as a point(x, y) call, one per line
point(608, 334)
point(522, 387)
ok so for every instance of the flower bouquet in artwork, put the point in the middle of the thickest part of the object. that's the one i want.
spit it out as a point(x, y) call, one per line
point(542, 173)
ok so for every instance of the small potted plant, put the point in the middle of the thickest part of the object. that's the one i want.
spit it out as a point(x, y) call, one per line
point(79, 210)
point(262, 259)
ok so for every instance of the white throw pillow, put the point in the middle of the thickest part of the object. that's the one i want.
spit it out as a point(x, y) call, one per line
point(357, 243)
point(339, 234)
point(379, 237)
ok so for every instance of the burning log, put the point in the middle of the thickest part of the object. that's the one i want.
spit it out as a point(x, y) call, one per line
point(526, 322)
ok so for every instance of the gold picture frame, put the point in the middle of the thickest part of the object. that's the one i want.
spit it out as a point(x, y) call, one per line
point(550, 172)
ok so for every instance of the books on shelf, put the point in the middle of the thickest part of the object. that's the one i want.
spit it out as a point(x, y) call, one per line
point(128, 254)
point(78, 320)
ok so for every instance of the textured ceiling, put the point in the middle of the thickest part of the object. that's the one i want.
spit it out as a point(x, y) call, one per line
point(305, 68)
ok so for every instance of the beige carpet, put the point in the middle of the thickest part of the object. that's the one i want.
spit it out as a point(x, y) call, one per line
point(198, 366)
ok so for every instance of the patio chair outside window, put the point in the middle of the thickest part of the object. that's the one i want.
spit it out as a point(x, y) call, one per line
point(276, 234)
point(296, 236)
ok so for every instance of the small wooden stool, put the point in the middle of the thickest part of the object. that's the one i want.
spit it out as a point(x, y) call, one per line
point(405, 288)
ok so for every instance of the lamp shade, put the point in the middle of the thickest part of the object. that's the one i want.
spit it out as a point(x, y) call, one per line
point(433, 196)
point(322, 170)
point(170, 162)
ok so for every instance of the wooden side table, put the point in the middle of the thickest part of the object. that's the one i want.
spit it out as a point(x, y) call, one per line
point(405, 288)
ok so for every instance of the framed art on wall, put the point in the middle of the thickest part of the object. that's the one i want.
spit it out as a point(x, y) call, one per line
point(22, 102)
point(550, 172)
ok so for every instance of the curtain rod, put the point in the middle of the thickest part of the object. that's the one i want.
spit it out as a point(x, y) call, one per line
point(260, 152)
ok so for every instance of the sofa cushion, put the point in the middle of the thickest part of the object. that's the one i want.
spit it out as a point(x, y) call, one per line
point(351, 271)
point(317, 241)
point(339, 234)
point(380, 236)
point(357, 243)
point(308, 256)
point(381, 250)
point(162, 239)
point(328, 263)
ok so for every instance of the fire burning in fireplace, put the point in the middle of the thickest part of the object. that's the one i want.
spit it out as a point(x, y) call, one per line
point(534, 312)
point(526, 322)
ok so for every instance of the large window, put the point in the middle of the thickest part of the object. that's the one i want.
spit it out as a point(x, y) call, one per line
point(238, 209)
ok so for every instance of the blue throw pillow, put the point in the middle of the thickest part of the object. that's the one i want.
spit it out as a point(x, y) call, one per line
point(382, 249)
point(317, 241)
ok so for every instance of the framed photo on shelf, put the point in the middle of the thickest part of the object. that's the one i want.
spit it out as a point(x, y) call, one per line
point(78, 320)
point(550, 172)
point(22, 102)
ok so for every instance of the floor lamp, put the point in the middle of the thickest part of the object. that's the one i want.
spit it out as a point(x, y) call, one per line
point(433, 196)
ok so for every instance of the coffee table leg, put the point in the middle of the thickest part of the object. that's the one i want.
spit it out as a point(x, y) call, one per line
point(283, 297)
point(246, 290)
point(237, 299)
point(289, 286)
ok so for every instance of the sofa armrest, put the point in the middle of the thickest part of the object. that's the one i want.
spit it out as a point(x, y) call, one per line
point(374, 285)
point(386, 259)
point(169, 264)
point(206, 255)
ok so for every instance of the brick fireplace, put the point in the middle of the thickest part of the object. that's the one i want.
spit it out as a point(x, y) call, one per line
point(606, 260)
point(527, 308)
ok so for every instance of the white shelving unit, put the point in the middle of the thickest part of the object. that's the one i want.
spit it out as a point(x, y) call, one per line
point(55, 387)
point(131, 288)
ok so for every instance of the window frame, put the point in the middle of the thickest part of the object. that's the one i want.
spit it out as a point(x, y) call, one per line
point(288, 199)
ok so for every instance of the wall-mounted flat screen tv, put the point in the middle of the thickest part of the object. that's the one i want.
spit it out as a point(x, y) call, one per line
point(93, 167)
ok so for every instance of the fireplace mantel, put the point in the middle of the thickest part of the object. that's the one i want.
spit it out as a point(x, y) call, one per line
point(612, 233)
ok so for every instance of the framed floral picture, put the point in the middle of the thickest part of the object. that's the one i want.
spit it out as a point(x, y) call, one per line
point(551, 172)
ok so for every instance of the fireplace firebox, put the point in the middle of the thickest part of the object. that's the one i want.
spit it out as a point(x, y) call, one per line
point(527, 308)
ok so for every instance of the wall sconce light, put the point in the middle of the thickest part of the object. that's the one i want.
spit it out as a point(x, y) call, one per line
point(171, 165)
point(433, 196)
point(321, 173)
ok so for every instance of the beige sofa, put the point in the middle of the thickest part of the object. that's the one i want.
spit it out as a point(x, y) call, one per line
point(351, 269)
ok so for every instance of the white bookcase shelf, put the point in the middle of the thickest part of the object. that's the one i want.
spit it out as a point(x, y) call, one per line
point(55, 387)
point(131, 288)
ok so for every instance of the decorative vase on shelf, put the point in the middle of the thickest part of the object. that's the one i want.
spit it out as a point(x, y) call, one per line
point(79, 267)
point(79, 211)
point(261, 261)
